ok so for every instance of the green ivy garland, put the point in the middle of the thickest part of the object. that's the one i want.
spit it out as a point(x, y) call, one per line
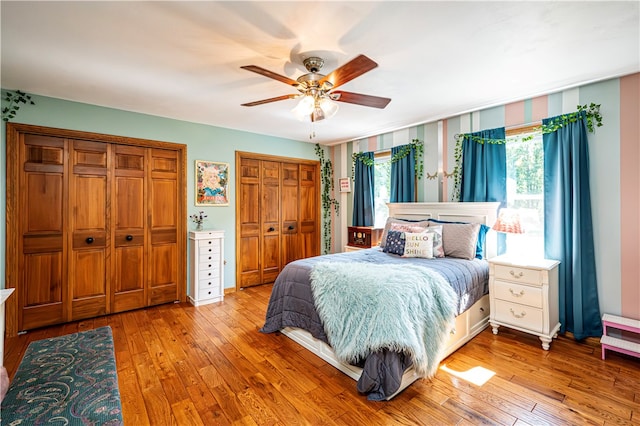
point(14, 98)
point(326, 181)
point(405, 150)
point(592, 114)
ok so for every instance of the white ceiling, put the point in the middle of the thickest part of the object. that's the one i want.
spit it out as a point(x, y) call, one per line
point(436, 59)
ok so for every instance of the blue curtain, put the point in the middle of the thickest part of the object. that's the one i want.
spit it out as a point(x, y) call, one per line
point(363, 196)
point(484, 172)
point(403, 176)
point(568, 231)
point(484, 168)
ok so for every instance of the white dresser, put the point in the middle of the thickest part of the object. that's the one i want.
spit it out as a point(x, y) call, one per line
point(206, 269)
point(524, 296)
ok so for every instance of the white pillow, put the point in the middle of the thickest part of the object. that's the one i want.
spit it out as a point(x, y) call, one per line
point(418, 244)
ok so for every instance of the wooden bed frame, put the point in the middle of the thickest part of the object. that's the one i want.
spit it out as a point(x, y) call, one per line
point(468, 324)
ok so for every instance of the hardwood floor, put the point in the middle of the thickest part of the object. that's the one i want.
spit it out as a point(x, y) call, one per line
point(178, 364)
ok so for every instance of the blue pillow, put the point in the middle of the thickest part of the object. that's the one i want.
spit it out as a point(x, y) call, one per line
point(395, 243)
point(482, 236)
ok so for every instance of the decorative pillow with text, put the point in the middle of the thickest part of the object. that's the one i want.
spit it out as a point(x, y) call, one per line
point(418, 244)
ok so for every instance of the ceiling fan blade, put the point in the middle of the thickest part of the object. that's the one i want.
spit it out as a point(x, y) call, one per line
point(270, 74)
point(266, 101)
point(360, 99)
point(352, 69)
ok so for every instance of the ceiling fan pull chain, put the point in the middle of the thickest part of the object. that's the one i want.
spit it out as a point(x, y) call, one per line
point(312, 132)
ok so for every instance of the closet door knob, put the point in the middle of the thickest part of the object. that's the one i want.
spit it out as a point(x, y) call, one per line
point(129, 237)
point(291, 227)
point(271, 229)
point(89, 240)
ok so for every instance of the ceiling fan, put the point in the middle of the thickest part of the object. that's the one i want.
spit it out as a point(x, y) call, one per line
point(317, 91)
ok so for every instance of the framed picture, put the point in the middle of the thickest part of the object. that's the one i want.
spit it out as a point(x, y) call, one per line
point(212, 183)
point(345, 184)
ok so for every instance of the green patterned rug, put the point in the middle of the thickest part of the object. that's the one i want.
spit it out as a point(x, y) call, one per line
point(66, 380)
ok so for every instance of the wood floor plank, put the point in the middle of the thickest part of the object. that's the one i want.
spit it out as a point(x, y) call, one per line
point(180, 364)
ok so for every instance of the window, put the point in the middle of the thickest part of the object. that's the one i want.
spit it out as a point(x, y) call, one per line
point(525, 192)
point(382, 187)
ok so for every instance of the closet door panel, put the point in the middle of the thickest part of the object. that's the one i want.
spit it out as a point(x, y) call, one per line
point(42, 265)
point(44, 197)
point(270, 212)
point(88, 196)
point(248, 257)
point(163, 274)
point(129, 214)
point(163, 218)
point(42, 297)
point(290, 213)
point(89, 286)
point(309, 188)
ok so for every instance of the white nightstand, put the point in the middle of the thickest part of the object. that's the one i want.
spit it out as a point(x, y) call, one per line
point(524, 296)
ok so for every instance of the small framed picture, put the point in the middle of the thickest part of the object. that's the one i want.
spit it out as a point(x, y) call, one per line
point(345, 184)
point(212, 183)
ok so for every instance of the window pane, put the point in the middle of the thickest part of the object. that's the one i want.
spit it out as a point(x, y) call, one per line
point(382, 183)
point(525, 179)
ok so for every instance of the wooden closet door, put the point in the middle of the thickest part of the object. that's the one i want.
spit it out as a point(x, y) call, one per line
point(248, 257)
point(129, 220)
point(271, 262)
point(163, 234)
point(309, 207)
point(89, 275)
point(291, 249)
point(42, 266)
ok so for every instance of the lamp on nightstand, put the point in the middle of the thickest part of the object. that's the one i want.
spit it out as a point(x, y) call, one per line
point(509, 223)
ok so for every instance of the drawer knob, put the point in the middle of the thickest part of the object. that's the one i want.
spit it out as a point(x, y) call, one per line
point(514, 294)
point(514, 275)
point(516, 315)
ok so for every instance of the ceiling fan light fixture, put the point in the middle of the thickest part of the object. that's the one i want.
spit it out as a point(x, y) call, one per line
point(328, 106)
point(304, 108)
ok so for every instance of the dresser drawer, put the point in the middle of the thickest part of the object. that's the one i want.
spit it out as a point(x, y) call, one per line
point(205, 266)
point(208, 257)
point(517, 293)
point(209, 284)
point(209, 293)
point(209, 243)
point(514, 273)
point(518, 315)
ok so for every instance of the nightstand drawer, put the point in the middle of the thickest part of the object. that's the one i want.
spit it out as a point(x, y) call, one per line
point(516, 293)
point(513, 273)
point(519, 315)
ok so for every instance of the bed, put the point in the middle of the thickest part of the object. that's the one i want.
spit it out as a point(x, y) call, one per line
point(384, 373)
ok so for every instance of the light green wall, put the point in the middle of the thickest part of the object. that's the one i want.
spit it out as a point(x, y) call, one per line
point(203, 143)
